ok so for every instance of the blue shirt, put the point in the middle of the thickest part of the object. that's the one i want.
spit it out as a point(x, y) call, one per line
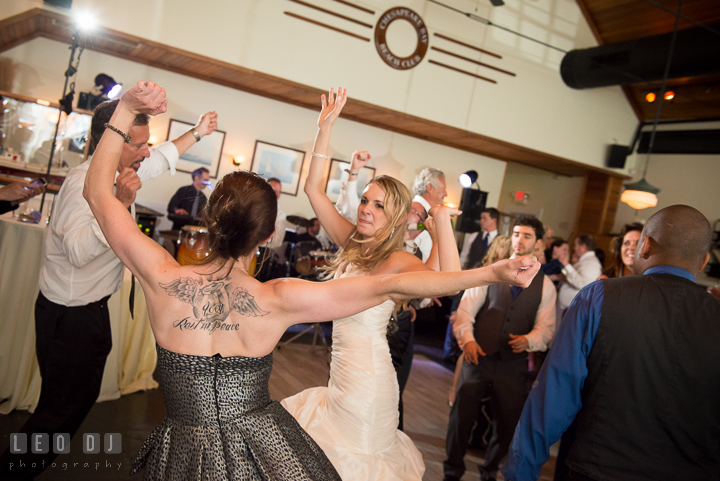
point(556, 395)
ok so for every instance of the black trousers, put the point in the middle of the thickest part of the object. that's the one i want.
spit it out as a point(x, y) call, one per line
point(72, 345)
point(505, 381)
point(402, 348)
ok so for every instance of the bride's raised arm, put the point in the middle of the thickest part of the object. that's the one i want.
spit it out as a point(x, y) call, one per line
point(336, 226)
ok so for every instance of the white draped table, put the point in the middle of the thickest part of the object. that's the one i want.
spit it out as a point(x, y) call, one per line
point(132, 360)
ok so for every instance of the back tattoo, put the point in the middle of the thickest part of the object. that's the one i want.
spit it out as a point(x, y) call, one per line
point(212, 302)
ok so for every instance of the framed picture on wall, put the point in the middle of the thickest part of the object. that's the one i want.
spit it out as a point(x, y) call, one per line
point(270, 160)
point(205, 153)
point(337, 176)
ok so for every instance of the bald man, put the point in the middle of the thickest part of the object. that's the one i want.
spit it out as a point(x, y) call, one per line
point(635, 368)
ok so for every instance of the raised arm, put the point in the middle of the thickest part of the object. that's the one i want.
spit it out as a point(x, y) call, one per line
point(301, 301)
point(347, 202)
point(337, 227)
point(138, 252)
point(205, 126)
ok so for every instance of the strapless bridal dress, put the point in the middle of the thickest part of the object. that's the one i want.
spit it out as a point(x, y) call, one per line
point(354, 419)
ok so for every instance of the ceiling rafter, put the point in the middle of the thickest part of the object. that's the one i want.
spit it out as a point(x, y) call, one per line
point(38, 22)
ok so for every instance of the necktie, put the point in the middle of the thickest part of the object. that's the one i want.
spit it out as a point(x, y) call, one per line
point(196, 203)
point(486, 238)
point(132, 286)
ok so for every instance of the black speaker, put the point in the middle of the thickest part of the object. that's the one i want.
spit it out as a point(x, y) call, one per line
point(617, 156)
point(60, 3)
point(472, 203)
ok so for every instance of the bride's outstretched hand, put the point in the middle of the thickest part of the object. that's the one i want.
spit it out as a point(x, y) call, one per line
point(519, 271)
point(332, 105)
point(145, 98)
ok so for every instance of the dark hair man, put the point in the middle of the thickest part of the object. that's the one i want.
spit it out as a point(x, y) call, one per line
point(476, 244)
point(190, 200)
point(72, 323)
point(635, 368)
point(497, 327)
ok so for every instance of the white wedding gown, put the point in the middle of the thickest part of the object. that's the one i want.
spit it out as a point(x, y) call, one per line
point(354, 419)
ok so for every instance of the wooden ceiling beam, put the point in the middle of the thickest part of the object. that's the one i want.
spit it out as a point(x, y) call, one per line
point(39, 22)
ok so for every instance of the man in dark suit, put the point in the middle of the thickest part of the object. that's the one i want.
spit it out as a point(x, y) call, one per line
point(496, 326)
point(477, 243)
point(634, 368)
point(189, 200)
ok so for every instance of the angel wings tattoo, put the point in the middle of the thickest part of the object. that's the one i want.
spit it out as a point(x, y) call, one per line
point(212, 300)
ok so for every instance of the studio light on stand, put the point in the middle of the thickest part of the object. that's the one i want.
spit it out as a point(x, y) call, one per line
point(106, 88)
point(83, 22)
point(472, 203)
point(468, 178)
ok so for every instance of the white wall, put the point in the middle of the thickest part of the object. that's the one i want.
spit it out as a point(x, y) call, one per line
point(682, 179)
point(554, 199)
point(534, 109)
point(35, 69)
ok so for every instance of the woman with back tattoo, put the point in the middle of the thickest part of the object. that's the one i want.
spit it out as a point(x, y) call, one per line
point(216, 326)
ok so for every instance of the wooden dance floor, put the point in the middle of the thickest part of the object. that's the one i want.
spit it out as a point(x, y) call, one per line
point(296, 368)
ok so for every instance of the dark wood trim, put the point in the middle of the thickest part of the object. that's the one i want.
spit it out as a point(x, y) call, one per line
point(52, 25)
point(362, 9)
point(330, 12)
point(446, 52)
point(320, 24)
point(439, 64)
point(445, 37)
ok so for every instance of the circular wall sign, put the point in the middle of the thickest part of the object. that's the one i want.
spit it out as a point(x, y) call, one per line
point(401, 13)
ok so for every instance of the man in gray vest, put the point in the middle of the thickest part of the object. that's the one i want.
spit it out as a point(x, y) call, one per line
point(635, 367)
point(496, 327)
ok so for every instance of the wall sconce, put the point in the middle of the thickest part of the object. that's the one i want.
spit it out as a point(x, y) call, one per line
point(237, 160)
point(152, 140)
point(669, 95)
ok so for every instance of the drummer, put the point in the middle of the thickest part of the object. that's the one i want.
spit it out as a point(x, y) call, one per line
point(311, 235)
point(189, 200)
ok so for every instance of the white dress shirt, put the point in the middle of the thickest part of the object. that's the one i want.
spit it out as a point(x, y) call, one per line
point(280, 222)
point(469, 239)
point(80, 267)
point(538, 338)
point(347, 202)
point(586, 270)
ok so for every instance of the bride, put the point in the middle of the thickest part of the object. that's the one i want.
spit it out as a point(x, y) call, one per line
point(354, 419)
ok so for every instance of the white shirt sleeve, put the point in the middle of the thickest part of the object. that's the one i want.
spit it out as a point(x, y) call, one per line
point(583, 272)
point(75, 224)
point(467, 244)
point(424, 242)
point(544, 329)
point(163, 157)
point(279, 236)
point(348, 202)
point(470, 305)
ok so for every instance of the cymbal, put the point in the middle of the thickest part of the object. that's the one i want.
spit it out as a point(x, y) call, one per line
point(297, 220)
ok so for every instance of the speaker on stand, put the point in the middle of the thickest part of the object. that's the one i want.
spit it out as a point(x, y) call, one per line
point(472, 203)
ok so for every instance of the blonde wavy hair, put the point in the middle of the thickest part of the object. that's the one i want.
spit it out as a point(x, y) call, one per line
point(389, 239)
point(495, 251)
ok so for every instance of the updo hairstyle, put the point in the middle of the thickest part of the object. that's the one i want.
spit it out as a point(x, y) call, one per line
point(240, 215)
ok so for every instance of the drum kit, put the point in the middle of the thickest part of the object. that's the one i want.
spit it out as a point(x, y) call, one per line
point(305, 260)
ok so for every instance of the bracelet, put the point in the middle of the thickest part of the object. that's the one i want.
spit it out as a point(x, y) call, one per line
point(195, 133)
point(118, 131)
point(351, 173)
point(326, 157)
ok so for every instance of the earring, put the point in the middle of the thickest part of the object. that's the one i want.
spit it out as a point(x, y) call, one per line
point(393, 231)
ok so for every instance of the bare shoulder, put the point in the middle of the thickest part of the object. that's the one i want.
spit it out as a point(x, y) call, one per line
point(398, 262)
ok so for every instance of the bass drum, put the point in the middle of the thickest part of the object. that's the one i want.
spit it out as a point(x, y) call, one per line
point(194, 245)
